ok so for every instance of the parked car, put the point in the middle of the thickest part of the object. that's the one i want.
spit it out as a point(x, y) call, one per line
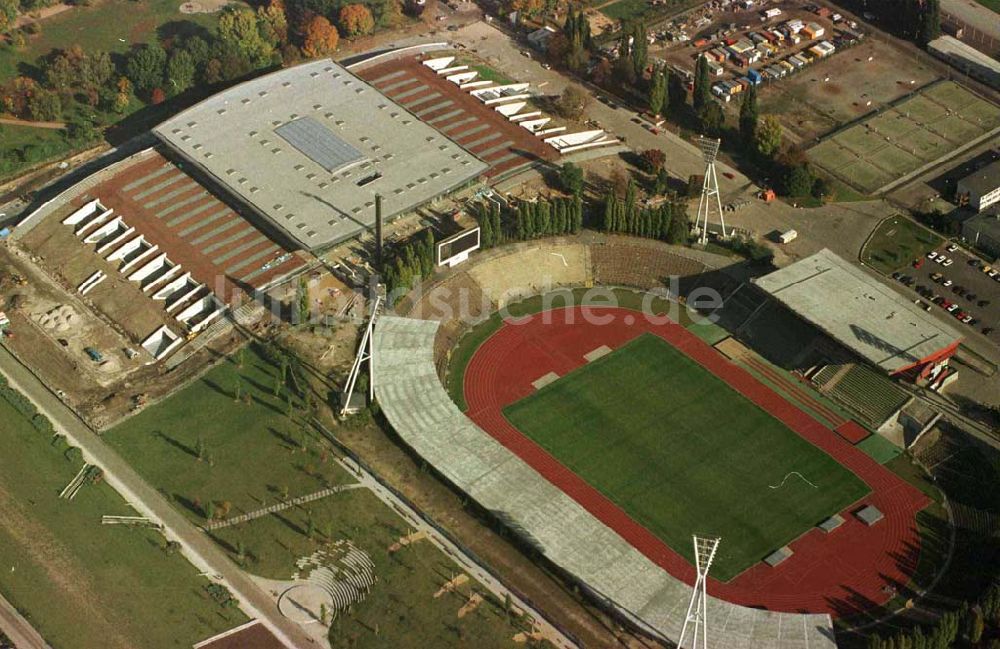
point(952, 248)
point(941, 259)
point(952, 308)
point(946, 283)
point(968, 319)
point(947, 262)
point(932, 255)
point(917, 263)
point(936, 277)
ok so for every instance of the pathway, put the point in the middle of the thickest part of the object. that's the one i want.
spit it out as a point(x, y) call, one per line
point(13, 121)
point(18, 629)
point(280, 507)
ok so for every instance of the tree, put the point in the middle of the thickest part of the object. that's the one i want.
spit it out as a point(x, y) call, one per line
point(799, 180)
point(657, 92)
point(180, 71)
point(572, 102)
point(639, 50)
point(929, 21)
point(356, 20)
point(388, 13)
point(748, 118)
point(321, 38)
point(124, 96)
point(653, 160)
point(679, 229)
point(239, 33)
point(157, 96)
point(661, 182)
point(571, 178)
point(272, 23)
point(8, 12)
point(602, 72)
point(702, 85)
point(145, 65)
point(209, 510)
point(44, 106)
point(712, 118)
point(303, 300)
point(767, 138)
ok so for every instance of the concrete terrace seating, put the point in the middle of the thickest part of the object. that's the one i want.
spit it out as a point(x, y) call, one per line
point(873, 396)
point(417, 406)
point(637, 265)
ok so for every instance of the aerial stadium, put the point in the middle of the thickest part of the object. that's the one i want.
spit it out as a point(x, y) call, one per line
point(606, 437)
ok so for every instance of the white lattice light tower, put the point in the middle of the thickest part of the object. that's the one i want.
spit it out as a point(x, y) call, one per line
point(364, 354)
point(709, 189)
point(695, 626)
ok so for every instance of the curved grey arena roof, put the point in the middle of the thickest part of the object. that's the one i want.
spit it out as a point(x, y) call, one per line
point(419, 409)
point(310, 146)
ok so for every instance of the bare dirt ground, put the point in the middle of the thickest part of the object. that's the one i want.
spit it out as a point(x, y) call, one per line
point(843, 87)
point(100, 394)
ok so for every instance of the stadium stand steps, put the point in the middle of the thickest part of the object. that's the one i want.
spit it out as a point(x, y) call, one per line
point(875, 398)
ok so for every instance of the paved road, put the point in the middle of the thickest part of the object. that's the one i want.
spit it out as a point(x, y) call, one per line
point(18, 629)
point(196, 546)
point(683, 159)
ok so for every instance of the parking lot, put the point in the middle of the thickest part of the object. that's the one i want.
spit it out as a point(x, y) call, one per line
point(955, 281)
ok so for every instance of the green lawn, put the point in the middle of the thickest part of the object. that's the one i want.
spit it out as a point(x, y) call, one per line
point(486, 73)
point(683, 453)
point(896, 242)
point(80, 583)
point(253, 451)
point(401, 605)
point(626, 10)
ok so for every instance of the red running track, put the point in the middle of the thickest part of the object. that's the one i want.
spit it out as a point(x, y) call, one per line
point(850, 570)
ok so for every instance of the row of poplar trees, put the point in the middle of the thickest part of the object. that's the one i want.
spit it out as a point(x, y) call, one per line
point(529, 220)
point(667, 221)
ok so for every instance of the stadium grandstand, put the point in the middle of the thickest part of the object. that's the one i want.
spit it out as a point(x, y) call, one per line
point(866, 317)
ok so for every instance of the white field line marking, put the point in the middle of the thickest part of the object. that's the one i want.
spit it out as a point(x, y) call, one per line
point(778, 486)
point(560, 257)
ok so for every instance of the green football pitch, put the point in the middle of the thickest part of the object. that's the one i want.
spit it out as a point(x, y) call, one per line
point(681, 452)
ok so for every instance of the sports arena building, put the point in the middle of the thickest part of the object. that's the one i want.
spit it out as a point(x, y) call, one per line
point(864, 315)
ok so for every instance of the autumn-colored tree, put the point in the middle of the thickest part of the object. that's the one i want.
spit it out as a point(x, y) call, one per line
point(602, 72)
point(356, 20)
point(157, 96)
point(8, 12)
point(16, 95)
point(526, 8)
point(273, 22)
point(321, 38)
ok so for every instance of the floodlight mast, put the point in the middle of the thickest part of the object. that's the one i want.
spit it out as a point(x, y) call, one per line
point(697, 613)
point(365, 353)
point(709, 189)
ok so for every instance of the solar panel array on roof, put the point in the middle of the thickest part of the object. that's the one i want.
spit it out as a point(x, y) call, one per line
point(319, 144)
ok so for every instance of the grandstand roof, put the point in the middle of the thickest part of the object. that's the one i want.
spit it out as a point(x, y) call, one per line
point(310, 146)
point(859, 311)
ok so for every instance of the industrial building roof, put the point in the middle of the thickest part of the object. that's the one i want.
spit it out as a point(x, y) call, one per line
point(310, 146)
point(983, 180)
point(859, 311)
